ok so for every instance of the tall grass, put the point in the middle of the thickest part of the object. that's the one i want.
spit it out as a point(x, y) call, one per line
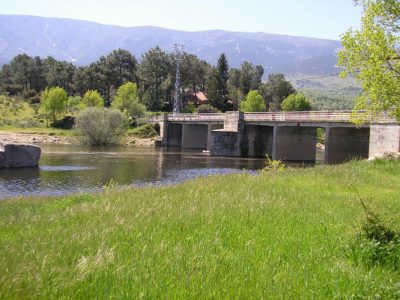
point(277, 235)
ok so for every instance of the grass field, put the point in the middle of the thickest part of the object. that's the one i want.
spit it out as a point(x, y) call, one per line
point(278, 235)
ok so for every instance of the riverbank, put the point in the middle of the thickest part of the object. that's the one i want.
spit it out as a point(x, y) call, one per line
point(58, 136)
point(285, 235)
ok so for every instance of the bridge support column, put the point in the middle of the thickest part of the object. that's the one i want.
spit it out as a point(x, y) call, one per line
point(195, 136)
point(342, 144)
point(294, 143)
point(211, 128)
point(174, 135)
point(257, 141)
point(384, 138)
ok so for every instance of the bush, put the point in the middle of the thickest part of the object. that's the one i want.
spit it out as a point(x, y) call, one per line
point(206, 108)
point(65, 123)
point(145, 131)
point(296, 102)
point(100, 126)
point(189, 108)
point(377, 243)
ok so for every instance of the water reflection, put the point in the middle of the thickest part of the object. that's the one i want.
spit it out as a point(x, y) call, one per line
point(69, 169)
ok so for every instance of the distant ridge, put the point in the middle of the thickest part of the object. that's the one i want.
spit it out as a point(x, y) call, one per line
point(83, 42)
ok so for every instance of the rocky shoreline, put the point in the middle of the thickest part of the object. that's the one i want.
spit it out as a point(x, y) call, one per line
point(31, 138)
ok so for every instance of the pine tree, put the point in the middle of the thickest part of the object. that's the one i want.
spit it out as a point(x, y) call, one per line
point(218, 87)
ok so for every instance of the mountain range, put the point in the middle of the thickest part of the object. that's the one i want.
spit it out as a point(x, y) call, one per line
point(83, 42)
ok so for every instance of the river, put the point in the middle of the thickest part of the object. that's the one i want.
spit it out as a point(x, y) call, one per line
point(68, 169)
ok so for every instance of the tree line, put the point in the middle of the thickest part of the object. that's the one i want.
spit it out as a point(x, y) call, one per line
point(154, 75)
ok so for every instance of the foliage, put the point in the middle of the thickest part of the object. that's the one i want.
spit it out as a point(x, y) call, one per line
point(100, 126)
point(273, 165)
point(156, 73)
point(190, 108)
point(295, 102)
point(127, 100)
point(371, 56)
point(377, 243)
point(206, 108)
point(275, 90)
point(92, 98)
point(254, 102)
point(144, 131)
point(53, 101)
point(217, 89)
point(73, 103)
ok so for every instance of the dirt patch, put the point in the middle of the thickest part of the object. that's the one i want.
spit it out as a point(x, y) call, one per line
point(135, 141)
point(28, 138)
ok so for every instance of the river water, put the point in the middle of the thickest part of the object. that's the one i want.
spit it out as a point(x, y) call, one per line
point(67, 169)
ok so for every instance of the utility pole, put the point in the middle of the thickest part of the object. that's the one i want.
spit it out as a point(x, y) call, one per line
point(179, 53)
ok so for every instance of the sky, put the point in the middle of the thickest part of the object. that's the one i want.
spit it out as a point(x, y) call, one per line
point(312, 18)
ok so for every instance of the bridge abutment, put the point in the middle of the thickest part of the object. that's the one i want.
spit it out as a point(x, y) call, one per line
point(384, 138)
point(343, 144)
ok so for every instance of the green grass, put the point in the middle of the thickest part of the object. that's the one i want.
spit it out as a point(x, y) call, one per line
point(143, 131)
point(38, 130)
point(15, 108)
point(282, 235)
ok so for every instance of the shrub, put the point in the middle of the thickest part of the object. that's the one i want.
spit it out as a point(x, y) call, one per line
point(100, 126)
point(145, 131)
point(65, 123)
point(189, 108)
point(206, 108)
point(296, 102)
point(377, 243)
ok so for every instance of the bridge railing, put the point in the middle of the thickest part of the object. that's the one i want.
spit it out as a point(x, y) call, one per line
point(344, 116)
point(298, 116)
point(207, 117)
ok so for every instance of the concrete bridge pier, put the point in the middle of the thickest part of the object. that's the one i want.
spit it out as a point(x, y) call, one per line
point(346, 143)
point(294, 143)
point(257, 141)
point(194, 136)
point(173, 137)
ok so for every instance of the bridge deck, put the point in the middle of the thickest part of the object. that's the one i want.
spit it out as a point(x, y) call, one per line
point(343, 116)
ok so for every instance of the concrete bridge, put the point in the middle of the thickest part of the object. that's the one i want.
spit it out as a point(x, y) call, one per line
point(289, 136)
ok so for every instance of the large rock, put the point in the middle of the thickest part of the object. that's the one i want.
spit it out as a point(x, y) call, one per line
point(19, 155)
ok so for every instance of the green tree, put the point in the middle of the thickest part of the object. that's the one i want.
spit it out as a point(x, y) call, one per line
point(372, 56)
point(92, 98)
point(53, 101)
point(250, 77)
point(156, 82)
point(253, 102)
point(127, 100)
point(295, 102)
point(275, 90)
point(234, 88)
point(218, 84)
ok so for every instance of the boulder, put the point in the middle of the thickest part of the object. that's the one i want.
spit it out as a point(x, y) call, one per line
point(19, 155)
